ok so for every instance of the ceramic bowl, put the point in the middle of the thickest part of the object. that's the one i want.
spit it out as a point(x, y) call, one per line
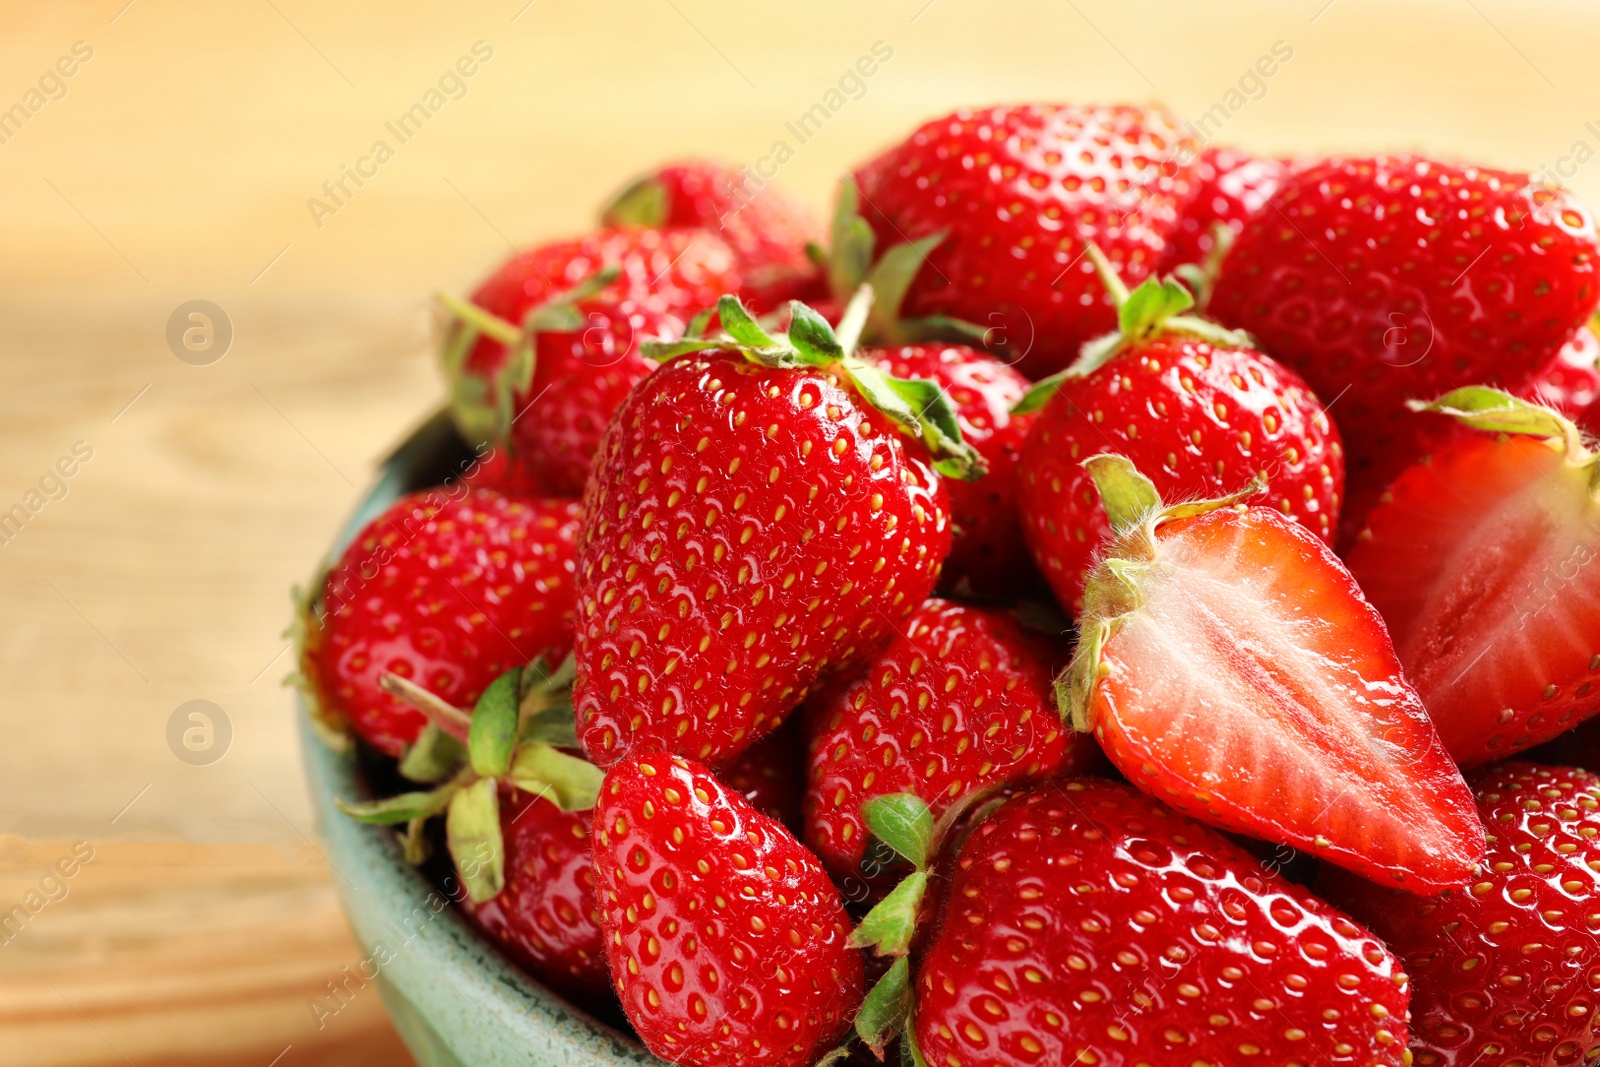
point(455, 1001)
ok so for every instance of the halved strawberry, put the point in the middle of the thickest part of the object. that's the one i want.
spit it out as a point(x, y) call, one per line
point(1230, 666)
point(1478, 561)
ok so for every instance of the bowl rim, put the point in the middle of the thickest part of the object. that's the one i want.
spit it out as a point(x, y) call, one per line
point(415, 942)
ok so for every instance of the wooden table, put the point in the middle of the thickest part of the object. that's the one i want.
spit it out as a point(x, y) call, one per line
point(178, 166)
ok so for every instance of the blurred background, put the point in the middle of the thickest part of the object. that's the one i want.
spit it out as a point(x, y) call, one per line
point(159, 152)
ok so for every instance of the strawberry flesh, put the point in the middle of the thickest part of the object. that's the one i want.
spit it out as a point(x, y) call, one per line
point(1252, 686)
point(1479, 563)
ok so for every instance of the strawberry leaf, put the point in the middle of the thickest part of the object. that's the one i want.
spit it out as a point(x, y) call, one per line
point(892, 922)
point(921, 409)
point(891, 278)
point(1151, 304)
point(644, 203)
point(398, 809)
point(572, 784)
point(853, 241)
point(1497, 411)
point(493, 733)
point(910, 1053)
point(1127, 495)
point(1040, 392)
point(741, 325)
point(903, 822)
point(812, 337)
point(886, 1007)
point(433, 757)
point(472, 829)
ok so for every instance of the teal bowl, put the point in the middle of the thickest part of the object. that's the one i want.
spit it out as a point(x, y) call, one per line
point(454, 999)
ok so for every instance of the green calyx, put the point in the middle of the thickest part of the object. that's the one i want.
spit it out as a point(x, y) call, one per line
point(1491, 410)
point(644, 203)
point(515, 735)
point(919, 407)
point(484, 405)
point(1115, 589)
point(903, 823)
point(1155, 308)
point(849, 265)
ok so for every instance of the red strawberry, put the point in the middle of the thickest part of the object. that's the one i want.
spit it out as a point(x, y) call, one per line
point(497, 469)
point(1505, 971)
point(1198, 410)
point(1569, 383)
point(727, 942)
point(559, 326)
point(988, 556)
point(959, 701)
point(1230, 186)
point(446, 590)
point(767, 229)
point(752, 524)
point(1017, 191)
point(1477, 561)
point(1088, 924)
point(545, 918)
point(1230, 666)
point(1393, 278)
point(770, 775)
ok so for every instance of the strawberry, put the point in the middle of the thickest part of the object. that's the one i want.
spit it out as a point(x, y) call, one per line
point(988, 556)
point(560, 326)
point(1200, 411)
point(959, 701)
point(753, 522)
point(1088, 924)
point(1477, 561)
point(1008, 196)
point(1396, 278)
point(1230, 185)
point(726, 941)
point(446, 589)
point(767, 228)
point(518, 819)
point(1229, 665)
point(1505, 971)
point(1570, 382)
point(545, 917)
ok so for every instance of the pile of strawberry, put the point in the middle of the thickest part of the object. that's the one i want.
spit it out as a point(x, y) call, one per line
point(1080, 616)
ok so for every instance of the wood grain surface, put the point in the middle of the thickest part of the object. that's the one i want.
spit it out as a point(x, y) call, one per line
point(176, 163)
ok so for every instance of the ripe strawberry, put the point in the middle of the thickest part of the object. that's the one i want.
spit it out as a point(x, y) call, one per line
point(1505, 971)
point(446, 590)
point(1230, 186)
point(1477, 561)
point(1197, 410)
point(767, 228)
point(727, 942)
point(545, 918)
point(988, 556)
point(1017, 191)
point(770, 774)
point(1089, 924)
point(560, 326)
point(1396, 278)
point(1229, 665)
point(960, 700)
point(752, 524)
point(1569, 383)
